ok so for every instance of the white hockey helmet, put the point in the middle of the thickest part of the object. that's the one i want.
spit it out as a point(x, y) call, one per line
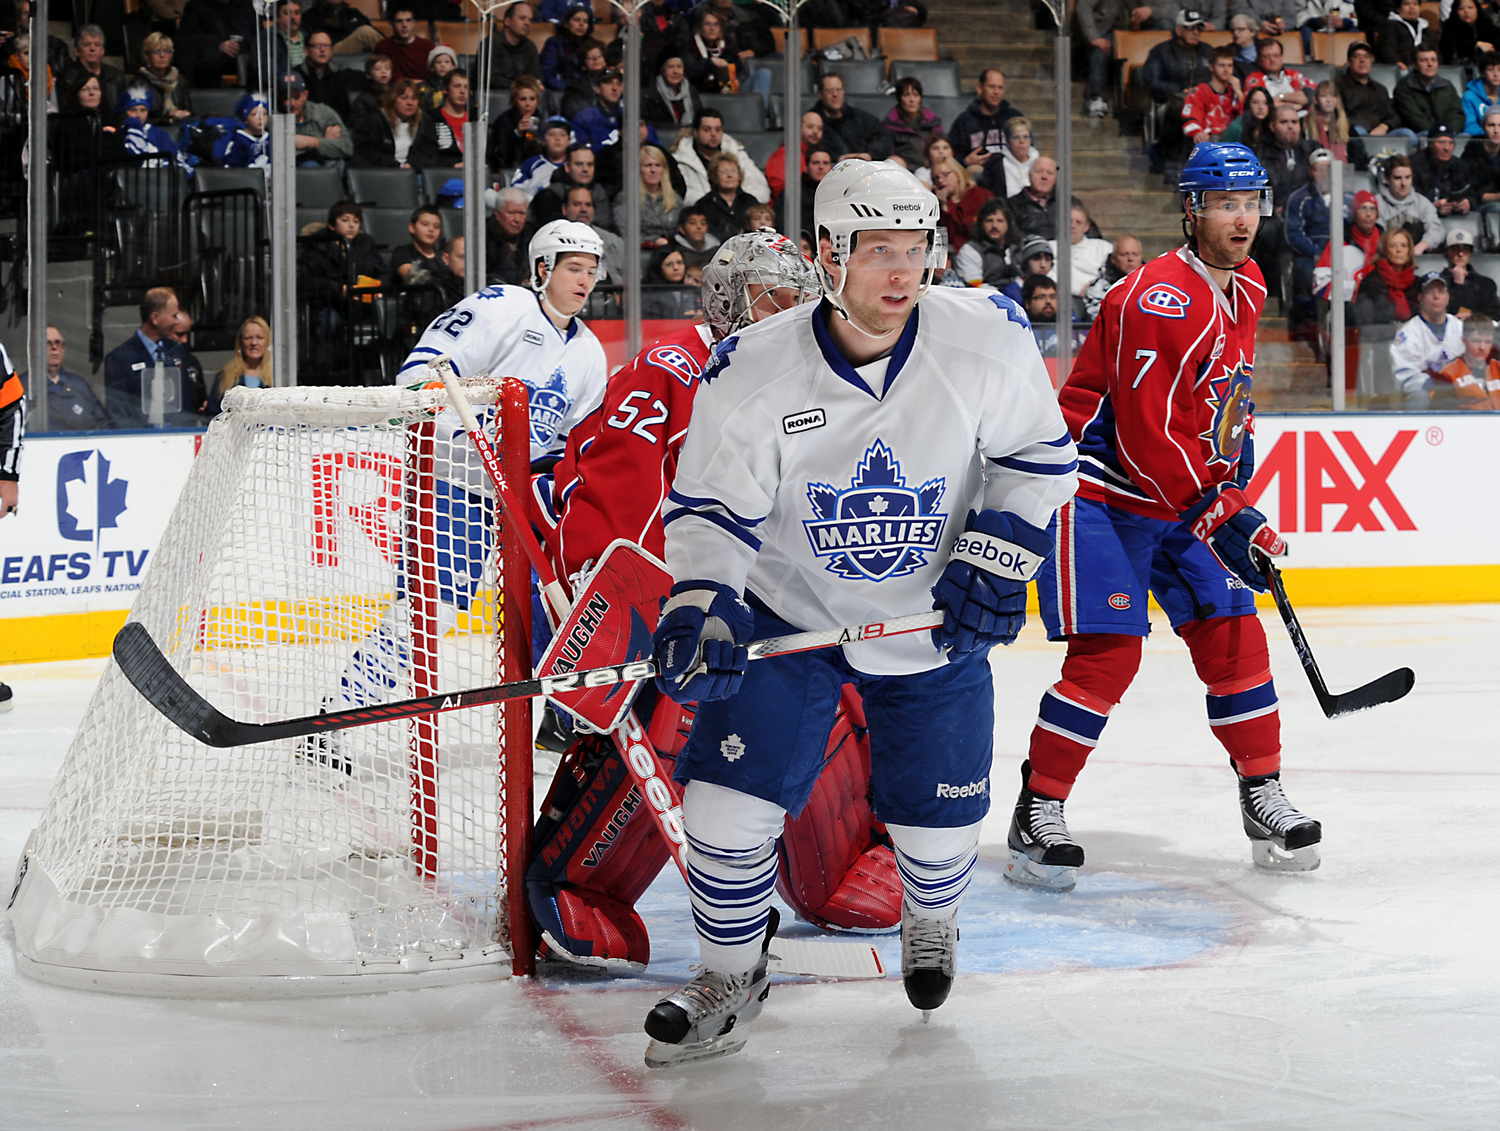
point(858, 196)
point(764, 257)
point(558, 238)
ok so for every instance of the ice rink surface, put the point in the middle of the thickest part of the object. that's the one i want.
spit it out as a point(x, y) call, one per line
point(1175, 988)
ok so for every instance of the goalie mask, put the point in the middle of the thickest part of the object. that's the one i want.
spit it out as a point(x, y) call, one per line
point(559, 238)
point(763, 258)
point(858, 196)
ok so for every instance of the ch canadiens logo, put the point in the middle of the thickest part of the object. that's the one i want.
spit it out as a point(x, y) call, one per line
point(1164, 300)
point(1313, 473)
point(1119, 600)
point(877, 528)
point(676, 361)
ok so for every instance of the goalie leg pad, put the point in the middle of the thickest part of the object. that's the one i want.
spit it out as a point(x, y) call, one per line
point(588, 928)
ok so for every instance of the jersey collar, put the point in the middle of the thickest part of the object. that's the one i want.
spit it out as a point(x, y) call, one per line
point(1197, 265)
point(572, 322)
point(840, 365)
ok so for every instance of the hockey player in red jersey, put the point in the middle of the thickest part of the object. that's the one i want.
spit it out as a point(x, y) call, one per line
point(1159, 405)
point(594, 858)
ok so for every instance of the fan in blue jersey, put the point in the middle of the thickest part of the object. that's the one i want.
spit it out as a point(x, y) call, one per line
point(890, 450)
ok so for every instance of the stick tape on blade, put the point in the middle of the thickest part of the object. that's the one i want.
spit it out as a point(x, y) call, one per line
point(610, 624)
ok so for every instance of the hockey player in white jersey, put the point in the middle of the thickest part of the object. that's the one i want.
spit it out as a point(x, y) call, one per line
point(887, 451)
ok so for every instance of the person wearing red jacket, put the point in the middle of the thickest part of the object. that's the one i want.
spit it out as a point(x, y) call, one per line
point(595, 857)
point(1209, 107)
point(1159, 406)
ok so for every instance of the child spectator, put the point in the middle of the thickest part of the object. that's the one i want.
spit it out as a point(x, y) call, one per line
point(693, 238)
point(988, 257)
point(1472, 382)
point(141, 137)
point(379, 74)
point(385, 140)
point(332, 262)
point(536, 172)
point(726, 203)
point(442, 61)
point(250, 145)
point(909, 123)
point(426, 228)
point(759, 216)
point(1034, 258)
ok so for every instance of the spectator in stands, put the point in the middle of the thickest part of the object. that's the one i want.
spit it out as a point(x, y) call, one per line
point(407, 51)
point(379, 74)
point(250, 145)
point(1039, 299)
point(1440, 176)
point(727, 202)
point(980, 130)
point(506, 238)
point(667, 268)
point(988, 257)
point(1424, 97)
point(250, 366)
point(1483, 158)
point(516, 133)
point(658, 21)
point(562, 54)
point(1366, 102)
point(693, 238)
point(934, 151)
point(1253, 127)
point(1421, 352)
point(326, 83)
point(960, 197)
point(1243, 39)
point(1402, 33)
point(1388, 293)
point(1172, 69)
point(385, 140)
point(812, 135)
point(212, 35)
point(1471, 382)
point(1468, 33)
point(1322, 17)
point(1401, 205)
point(1034, 258)
point(1210, 107)
point(90, 61)
point(1361, 245)
point(192, 369)
point(71, 403)
point(332, 262)
point(1469, 292)
point(1326, 125)
point(578, 207)
point(440, 137)
point(1272, 16)
point(136, 105)
point(1009, 171)
point(1481, 93)
point(136, 357)
point(909, 123)
point(707, 141)
point(441, 61)
point(819, 161)
point(512, 54)
point(290, 45)
point(753, 33)
point(759, 216)
point(1125, 258)
point(1096, 22)
point(713, 57)
point(1286, 162)
point(82, 137)
point(660, 204)
point(1286, 86)
point(578, 170)
point(1155, 16)
point(321, 137)
point(671, 98)
point(348, 27)
point(858, 133)
point(1306, 232)
point(174, 101)
point(426, 228)
point(1033, 210)
point(1089, 254)
point(598, 126)
point(535, 173)
point(582, 90)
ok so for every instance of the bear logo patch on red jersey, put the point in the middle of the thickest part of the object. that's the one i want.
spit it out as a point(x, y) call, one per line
point(1164, 300)
point(676, 361)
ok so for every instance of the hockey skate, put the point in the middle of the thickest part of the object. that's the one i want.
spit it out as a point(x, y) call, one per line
point(704, 1019)
point(929, 959)
point(1281, 838)
point(1043, 853)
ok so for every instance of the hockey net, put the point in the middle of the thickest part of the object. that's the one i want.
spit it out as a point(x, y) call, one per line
point(332, 547)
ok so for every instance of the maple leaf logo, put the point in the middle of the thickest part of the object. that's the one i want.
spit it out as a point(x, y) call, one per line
point(877, 528)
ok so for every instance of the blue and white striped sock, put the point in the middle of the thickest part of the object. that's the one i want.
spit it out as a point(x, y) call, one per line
point(731, 864)
point(935, 866)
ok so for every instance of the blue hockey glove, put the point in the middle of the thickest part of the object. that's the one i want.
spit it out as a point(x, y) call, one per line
point(700, 642)
point(983, 590)
point(1237, 533)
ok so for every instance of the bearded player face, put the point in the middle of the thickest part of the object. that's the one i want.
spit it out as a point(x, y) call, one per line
point(1227, 222)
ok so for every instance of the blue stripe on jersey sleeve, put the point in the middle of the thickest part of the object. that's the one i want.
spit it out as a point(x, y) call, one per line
point(691, 501)
point(718, 520)
point(1061, 442)
point(1030, 468)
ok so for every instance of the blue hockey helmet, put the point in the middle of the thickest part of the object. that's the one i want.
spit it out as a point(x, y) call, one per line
point(1223, 167)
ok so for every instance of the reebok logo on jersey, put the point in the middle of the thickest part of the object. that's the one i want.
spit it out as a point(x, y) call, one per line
point(877, 528)
point(804, 421)
point(1164, 300)
point(973, 789)
point(532, 337)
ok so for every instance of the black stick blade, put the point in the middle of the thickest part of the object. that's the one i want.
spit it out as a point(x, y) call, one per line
point(152, 674)
point(1387, 689)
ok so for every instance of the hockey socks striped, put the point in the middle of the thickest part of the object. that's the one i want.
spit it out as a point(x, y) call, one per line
point(1234, 663)
point(1098, 669)
point(935, 865)
point(731, 872)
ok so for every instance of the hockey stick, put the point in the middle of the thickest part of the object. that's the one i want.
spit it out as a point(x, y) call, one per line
point(1387, 689)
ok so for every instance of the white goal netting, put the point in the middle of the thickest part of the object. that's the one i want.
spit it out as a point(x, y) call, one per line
point(332, 548)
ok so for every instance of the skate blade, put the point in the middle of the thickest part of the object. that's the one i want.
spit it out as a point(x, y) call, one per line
point(661, 1055)
point(1022, 869)
point(1269, 857)
point(926, 1016)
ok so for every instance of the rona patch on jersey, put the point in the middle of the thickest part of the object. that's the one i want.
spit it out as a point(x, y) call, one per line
point(1229, 396)
point(676, 361)
point(549, 408)
point(877, 528)
point(1164, 300)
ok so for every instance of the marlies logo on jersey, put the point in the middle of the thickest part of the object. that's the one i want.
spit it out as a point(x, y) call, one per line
point(878, 527)
point(676, 361)
point(1164, 300)
point(1229, 397)
point(549, 407)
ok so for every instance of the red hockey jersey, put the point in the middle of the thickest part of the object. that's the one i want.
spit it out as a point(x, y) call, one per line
point(1159, 399)
point(1204, 108)
point(620, 462)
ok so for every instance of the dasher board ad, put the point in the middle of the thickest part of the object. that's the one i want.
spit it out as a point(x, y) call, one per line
point(92, 510)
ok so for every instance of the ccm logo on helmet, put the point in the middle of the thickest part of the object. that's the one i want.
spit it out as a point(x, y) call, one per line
point(1164, 300)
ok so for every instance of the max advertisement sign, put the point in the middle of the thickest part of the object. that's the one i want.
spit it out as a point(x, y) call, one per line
point(92, 511)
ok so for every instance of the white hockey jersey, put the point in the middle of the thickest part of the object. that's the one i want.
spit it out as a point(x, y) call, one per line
point(503, 331)
point(835, 494)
